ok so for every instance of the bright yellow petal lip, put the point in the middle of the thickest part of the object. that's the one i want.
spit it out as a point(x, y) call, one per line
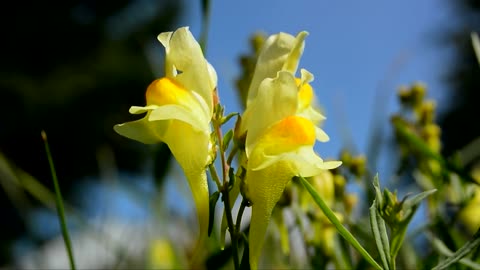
point(292, 130)
point(277, 99)
point(286, 135)
point(165, 91)
point(176, 102)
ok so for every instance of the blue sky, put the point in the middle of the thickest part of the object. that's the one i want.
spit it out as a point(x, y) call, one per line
point(353, 47)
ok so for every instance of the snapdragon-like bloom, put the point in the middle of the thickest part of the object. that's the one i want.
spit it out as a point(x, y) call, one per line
point(178, 112)
point(280, 125)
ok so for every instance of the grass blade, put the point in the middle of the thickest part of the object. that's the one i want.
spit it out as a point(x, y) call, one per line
point(462, 252)
point(59, 203)
point(338, 225)
point(444, 250)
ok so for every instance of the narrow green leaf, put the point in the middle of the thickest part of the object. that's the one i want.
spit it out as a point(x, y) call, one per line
point(213, 202)
point(462, 252)
point(378, 191)
point(59, 203)
point(416, 199)
point(379, 231)
point(409, 207)
point(444, 250)
point(226, 139)
point(228, 117)
point(338, 225)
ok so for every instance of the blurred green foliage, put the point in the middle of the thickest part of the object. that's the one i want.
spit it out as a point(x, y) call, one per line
point(73, 69)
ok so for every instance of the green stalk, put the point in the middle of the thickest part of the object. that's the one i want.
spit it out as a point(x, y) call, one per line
point(59, 203)
point(214, 174)
point(340, 228)
point(225, 193)
point(231, 228)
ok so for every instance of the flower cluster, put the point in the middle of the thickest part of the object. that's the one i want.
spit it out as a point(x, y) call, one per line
point(279, 144)
point(279, 126)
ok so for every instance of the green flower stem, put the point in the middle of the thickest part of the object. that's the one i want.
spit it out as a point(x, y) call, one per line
point(214, 174)
point(59, 203)
point(225, 192)
point(340, 228)
point(231, 226)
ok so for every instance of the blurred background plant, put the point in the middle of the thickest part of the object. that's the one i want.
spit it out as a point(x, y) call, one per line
point(75, 69)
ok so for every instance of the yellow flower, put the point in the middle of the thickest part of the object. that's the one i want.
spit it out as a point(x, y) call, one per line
point(280, 124)
point(162, 255)
point(469, 214)
point(178, 113)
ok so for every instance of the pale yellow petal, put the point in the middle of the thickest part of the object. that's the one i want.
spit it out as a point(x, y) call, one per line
point(307, 106)
point(312, 114)
point(320, 135)
point(271, 59)
point(265, 187)
point(181, 113)
point(294, 57)
point(276, 100)
point(186, 64)
point(199, 187)
point(140, 110)
point(190, 148)
point(164, 38)
point(213, 74)
point(329, 165)
point(143, 131)
point(306, 76)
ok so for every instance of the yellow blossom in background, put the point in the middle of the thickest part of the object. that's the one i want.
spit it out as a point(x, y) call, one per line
point(469, 215)
point(280, 132)
point(323, 233)
point(162, 255)
point(178, 113)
